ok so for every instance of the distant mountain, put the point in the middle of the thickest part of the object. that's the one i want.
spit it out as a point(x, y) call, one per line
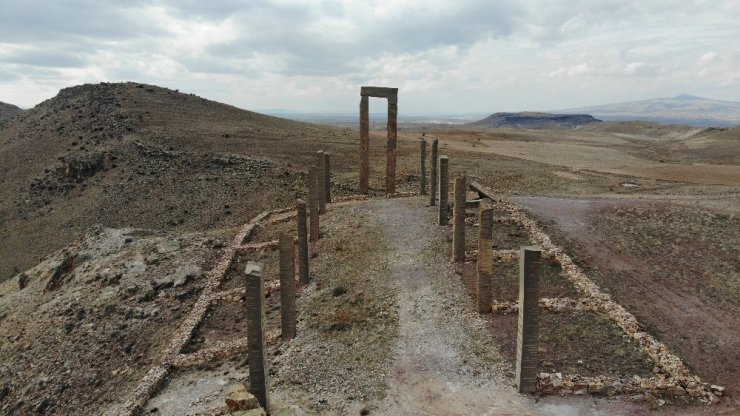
point(531, 120)
point(682, 109)
point(8, 110)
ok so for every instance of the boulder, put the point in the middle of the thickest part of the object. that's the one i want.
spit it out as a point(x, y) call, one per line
point(238, 398)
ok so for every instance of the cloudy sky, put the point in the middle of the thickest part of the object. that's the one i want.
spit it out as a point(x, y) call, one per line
point(445, 56)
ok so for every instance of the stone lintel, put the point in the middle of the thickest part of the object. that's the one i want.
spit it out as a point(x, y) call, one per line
point(381, 92)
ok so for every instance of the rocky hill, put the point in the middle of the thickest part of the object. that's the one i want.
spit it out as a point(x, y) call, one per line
point(532, 120)
point(682, 109)
point(8, 110)
point(135, 155)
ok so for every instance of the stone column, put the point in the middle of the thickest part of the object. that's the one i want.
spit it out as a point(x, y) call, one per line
point(484, 293)
point(423, 166)
point(287, 286)
point(443, 191)
point(327, 178)
point(364, 144)
point(458, 223)
point(390, 166)
point(302, 242)
point(434, 176)
point(255, 304)
point(321, 182)
point(313, 200)
point(526, 352)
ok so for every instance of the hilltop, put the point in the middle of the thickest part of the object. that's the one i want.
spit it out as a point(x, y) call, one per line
point(8, 111)
point(533, 120)
point(136, 155)
point(681, 109)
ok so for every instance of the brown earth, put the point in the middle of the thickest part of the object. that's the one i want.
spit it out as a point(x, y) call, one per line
point(676, 268)
point(8, 111)
point(134, 155)
point(129, 154)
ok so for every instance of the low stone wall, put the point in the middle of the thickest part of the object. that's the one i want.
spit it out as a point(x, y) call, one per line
point(676, 373)
point(553, 305)
point(154, 378)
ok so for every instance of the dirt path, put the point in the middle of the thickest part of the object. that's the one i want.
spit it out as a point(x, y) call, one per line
point(438, 359)
point(444, 362)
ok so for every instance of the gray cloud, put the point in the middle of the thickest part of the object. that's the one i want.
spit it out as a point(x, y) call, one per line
point(478, 54)
point(39, 20)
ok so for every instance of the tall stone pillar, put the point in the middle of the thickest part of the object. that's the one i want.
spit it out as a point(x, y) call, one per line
point(321, 181)
point(255, 305)
point(364, 144)
point(287, 286)
point(327, 178)
point(302, 242)
point(313, 198)
point(528, 333)
point(458, 223)
point(444, 215)
point(422, 166)
point(434, 177)
point(390, 166)
point(484, 293)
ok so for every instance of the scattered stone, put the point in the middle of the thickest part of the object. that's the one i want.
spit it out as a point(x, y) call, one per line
point(44, 405)
point(238, 398)
point(148, 293)
point(168, 246)
point(291, 410)
point(22, 281)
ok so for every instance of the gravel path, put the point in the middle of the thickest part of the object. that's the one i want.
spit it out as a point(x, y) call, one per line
point(386, 327)
point(445, 361)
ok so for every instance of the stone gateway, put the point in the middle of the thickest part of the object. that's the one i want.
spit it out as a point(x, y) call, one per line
point(390, 167)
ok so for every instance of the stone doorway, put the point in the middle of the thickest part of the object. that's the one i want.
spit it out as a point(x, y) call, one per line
point(390, 166)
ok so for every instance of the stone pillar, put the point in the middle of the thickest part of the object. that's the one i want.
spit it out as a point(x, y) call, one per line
point(313, 200)
point(484, 293)
point(458, 223)
point(434, 176)
point(390, 166)
point(364, 144)
point(287, 286)
point(255, 304)
point(302, 242)
point(321, 182)
point(422, 166)
point(526, 352)
point(327, 178)
point(444, 215)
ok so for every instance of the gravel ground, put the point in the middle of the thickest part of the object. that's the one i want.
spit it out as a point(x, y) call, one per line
point(411, 343)
point(385, 327)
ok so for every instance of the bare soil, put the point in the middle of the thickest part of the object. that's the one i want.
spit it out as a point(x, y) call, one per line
point(650, 212)
point(674, 268)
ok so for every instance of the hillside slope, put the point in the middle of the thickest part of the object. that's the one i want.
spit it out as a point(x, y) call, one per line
point(134, 155)
point(8, 111)
point(531, 120)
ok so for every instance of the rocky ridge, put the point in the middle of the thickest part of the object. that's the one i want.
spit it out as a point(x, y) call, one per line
point(8, 111)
